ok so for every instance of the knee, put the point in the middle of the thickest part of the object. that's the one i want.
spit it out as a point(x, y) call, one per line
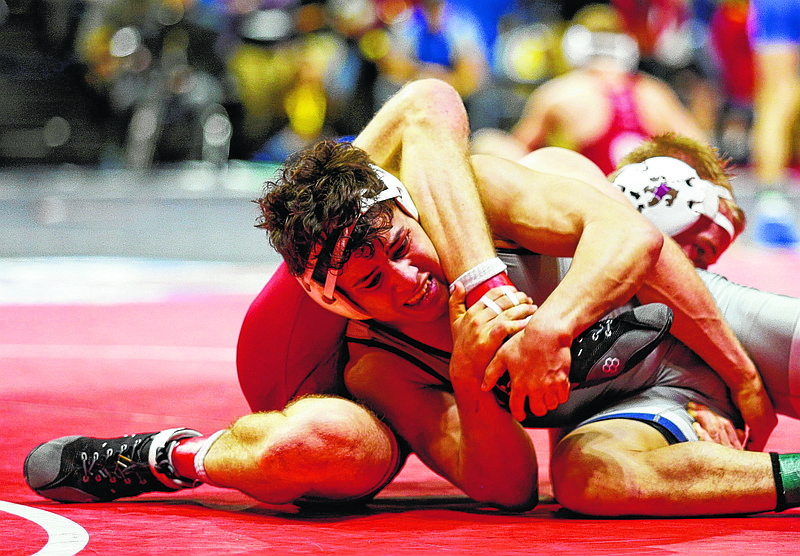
point(340, 427)
point(589, 477)
point(322, 445)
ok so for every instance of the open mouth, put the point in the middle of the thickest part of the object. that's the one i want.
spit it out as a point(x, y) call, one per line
point(420, 295)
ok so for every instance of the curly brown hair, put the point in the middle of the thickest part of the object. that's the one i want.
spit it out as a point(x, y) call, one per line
point(704, 158)
point(315, 197)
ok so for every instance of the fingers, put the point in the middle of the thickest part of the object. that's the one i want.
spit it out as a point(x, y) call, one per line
point(512, 306)
point(711, 427)
point(551, 400)
point(701, 432)
point(516, 404)
point(539, 406)
point(742, 436)
point(457, 302)
point(563, 390)
point(494, 370)
point(502, 298)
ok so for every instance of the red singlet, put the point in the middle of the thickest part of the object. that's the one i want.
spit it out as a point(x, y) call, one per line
point(288, 346)
point(624, 133)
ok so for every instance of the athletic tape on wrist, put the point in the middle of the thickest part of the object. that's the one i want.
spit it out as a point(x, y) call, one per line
point(200, 458)
point(498, 281)
point(479, 273)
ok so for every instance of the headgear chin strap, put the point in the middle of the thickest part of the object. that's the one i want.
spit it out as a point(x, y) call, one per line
point(326, 294)
point(670, 194)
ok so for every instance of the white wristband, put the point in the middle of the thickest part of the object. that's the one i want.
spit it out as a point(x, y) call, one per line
point(478, 274)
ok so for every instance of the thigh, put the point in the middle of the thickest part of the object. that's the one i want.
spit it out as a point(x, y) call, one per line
point(593, 466)
point(610, 436)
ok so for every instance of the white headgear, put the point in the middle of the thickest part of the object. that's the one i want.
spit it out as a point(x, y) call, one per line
point(670, 194)
point(581, 45)
point(326, 294)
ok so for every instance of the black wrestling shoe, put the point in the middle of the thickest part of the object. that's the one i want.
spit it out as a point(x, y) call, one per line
point(610, 347)
point(614, 346)
point(84, 469)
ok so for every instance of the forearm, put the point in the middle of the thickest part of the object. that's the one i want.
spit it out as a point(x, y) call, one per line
point(422, 135)
point(484, 452)
point(697, 321)
point(495, 458)
point(612, 247)
point(592, 287)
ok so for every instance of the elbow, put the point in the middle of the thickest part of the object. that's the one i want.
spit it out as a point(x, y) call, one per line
point(436, 106)
point(509, 496)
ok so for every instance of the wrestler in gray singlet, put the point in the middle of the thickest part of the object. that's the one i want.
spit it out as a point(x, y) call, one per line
point(657, 390)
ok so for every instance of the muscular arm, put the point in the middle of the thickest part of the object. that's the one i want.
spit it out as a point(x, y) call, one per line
point(537, 120)
point(699, 324)
point(674, 282)
point(663, 111)
point(422, 136)
point(613, 250)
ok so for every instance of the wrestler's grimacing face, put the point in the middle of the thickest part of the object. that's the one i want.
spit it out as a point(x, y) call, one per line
point(403, 280)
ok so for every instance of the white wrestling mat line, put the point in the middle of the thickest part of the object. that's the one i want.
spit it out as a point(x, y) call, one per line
point(109, 280)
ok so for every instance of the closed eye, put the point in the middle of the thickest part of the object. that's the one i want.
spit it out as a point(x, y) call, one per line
point(401, 247)
point(373, 282)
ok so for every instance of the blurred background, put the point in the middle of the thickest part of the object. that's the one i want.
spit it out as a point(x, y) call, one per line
point(144, 127)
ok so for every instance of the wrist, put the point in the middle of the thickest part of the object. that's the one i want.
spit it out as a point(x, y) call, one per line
point(464, 377)
point(481, 289)
point(481, 278)
point(545, 329)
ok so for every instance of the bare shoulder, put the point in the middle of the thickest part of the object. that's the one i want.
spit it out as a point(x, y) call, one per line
point(648, 84)
point(566, 86)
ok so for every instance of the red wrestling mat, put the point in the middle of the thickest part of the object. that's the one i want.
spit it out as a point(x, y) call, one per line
point(130, 367)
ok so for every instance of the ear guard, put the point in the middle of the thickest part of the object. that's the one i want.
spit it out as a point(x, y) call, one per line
point(326, 294)
point(670, 194)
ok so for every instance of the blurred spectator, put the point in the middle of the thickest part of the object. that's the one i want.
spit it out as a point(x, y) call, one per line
point(158, 68)
point(671, 35)
point(604, 108)
point(434, 39)
point(733, 58)
point(330, 63)
point(774, 27)
point(351, 77)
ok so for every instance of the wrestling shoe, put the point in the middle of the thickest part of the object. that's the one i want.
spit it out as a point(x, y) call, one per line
point(610, 347)
point(84, 469)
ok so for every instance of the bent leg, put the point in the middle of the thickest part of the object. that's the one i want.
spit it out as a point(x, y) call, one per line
point(626, 467)
point(318, 447)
